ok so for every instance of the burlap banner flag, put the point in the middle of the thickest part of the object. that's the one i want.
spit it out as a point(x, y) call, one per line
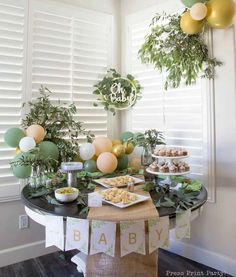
point(54, 231)
point(77, 234)
point(103, 237)
point(132, 237)
point(182, 229)
point(158, 229)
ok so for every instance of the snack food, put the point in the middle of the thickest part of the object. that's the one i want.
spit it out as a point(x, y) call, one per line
point(119, 181)
point(116, 195)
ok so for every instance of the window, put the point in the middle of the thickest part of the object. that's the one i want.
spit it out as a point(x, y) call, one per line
point(183, 114)
point(12, 85)
point(67, 49)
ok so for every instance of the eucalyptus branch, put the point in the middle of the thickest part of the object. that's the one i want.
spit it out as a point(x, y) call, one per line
point(180, 56)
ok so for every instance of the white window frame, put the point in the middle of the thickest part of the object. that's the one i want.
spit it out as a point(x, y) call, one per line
point(207, 85)
point(15, 194)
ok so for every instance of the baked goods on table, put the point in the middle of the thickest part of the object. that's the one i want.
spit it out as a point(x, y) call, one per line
point(166, 167)
point(119, 181)
point(116, 195)
point(170, 152)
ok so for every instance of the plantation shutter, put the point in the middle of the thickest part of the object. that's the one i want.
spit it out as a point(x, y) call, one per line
point(71, 51)
point(180, 113)
point(12, 86)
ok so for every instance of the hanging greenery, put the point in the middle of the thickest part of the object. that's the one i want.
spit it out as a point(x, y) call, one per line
point(117, 93)
point(59, 123)
point(181, 56)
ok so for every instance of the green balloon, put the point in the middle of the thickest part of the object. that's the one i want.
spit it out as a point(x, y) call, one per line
point(48, 149)
point(190, 3)
point(126, 135)
point(123, 162)
point(21, 171)
point(13, 136)
point(90, 166)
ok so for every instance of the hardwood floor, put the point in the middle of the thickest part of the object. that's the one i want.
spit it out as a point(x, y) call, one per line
point(58, 265)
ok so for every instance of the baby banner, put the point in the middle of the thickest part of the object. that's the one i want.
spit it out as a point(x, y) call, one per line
point(103, 237)
point(132, 237)
point(54, 231)
point(158, 229)
point(182, 229)
point(77, 234)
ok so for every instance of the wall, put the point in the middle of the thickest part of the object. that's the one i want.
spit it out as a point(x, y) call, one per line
point(15, 244)
point(213, 240)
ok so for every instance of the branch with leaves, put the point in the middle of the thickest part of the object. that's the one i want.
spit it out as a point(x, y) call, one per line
point(59, 123)
point(180, 56)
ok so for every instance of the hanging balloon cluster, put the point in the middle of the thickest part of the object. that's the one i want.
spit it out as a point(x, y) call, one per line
point(106, 155)
point(217, 13)
point(25, 142)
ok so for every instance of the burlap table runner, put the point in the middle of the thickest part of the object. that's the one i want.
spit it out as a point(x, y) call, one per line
point(141, 211)
point(131, 265)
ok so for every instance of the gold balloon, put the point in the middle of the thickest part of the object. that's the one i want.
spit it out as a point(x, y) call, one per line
point(190, 26)
point(220, 13)
point(94, 158)
point(18, 151)
point(116, 142)
point(118, 150)
point(129, 147)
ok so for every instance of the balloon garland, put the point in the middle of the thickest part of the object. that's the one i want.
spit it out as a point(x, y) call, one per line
point(216, 13)
point(176, 43)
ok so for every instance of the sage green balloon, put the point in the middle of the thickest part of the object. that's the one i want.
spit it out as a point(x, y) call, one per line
point(126, 136)
point(48, 149)
point(21, 171)
point(190, 3)
point(123, 162)
point(90, 166)
point(13, 136)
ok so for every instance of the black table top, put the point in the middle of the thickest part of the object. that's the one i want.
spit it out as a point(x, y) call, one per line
point(73, 210)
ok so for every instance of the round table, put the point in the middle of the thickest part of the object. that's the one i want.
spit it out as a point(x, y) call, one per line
point(37, 208)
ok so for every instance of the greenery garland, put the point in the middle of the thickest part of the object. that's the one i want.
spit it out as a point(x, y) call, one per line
point(124, 96)
point(183, 57)
point(59, 123)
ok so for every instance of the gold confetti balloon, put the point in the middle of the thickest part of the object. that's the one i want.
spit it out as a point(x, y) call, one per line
point(129, 147)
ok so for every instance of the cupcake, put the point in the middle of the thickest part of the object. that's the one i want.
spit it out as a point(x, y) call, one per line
point(187, 167)
point(180, 152)
point(168, 153)
point(185, 152)
point(154, 167)
point(162, 152)
point(182, 168)
point(173, 169)
point(174, 152)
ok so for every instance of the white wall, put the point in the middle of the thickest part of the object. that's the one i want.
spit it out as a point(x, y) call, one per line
point(15, 244)
point(213, 236)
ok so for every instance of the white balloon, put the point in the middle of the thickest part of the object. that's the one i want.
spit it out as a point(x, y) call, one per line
point(26, 144)
point(198, 11)
point(86, 151)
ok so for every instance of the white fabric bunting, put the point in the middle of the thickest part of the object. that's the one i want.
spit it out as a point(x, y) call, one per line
point(103, 237)
point(132, 237)
point(77, 234)
point(182, 229)
point(158, 229)
point(54, 231)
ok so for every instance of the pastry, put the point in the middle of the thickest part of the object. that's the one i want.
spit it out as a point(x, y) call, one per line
point(154, 167)
point(173, 169)
point(168, 153)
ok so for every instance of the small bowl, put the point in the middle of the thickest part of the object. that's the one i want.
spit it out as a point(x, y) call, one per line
point(65, 196)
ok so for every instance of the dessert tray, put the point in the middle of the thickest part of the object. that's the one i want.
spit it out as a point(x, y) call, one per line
point(170, 158)
point(136, 198)
point(168, 173)
point(118, 184)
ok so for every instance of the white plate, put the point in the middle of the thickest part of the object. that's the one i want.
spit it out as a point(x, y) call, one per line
point(100, 182)
point(168, 173)
point(141, 198)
